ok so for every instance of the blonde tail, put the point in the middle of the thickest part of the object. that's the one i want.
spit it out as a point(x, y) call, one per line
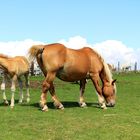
point(34, 51)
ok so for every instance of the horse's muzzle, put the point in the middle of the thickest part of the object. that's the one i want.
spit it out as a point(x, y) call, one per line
point(110, 104)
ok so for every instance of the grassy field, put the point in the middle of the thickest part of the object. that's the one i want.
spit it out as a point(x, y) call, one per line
point(28, 122)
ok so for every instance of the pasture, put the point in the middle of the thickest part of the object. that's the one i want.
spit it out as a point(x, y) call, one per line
point(28, 122)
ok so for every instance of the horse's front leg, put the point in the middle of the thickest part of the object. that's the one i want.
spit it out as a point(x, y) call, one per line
point(13, 88)
point(82, 89)
point(95, 80)
point(45, 87)
point(57, 103)
point(3, 90)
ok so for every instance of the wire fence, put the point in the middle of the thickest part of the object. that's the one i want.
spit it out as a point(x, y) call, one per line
point(127, 67)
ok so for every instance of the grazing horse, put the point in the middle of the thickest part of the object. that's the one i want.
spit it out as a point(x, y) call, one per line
point(14, 68)
point(55, 60)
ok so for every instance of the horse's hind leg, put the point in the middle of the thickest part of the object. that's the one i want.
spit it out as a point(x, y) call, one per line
point(3, 90)
point(82, 89)
point(21, 90)
point(27, 83)
point(45, 87)
point(57, 103)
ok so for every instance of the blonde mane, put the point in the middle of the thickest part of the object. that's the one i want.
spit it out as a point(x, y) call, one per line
point(108, 72)
point(106, 69)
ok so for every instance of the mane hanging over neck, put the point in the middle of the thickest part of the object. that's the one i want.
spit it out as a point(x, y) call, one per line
point(106, 71)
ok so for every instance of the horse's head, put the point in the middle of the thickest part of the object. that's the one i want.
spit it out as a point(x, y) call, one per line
point(109, 93)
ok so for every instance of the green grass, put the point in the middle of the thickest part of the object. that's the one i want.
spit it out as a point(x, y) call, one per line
point(28, 122)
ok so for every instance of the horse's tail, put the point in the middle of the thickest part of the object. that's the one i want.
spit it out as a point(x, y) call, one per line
point(34, 51)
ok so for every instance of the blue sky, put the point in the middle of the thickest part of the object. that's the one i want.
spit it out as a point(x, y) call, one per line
point(52, 20)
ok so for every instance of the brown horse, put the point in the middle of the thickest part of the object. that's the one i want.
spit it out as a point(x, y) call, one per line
point(14, 68)
point(72, 65)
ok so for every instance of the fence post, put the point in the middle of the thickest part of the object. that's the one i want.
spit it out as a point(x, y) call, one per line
point(135, 67)
point(118, 66)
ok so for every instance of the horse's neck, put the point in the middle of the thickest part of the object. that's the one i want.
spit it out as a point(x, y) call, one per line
point(4, 62)
point(105, 77)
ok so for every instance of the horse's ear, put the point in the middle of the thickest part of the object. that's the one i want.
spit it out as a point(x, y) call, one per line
point(114, 81)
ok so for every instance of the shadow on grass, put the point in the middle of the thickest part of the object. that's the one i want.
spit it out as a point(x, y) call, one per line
point(66, 104)
point(9, 101)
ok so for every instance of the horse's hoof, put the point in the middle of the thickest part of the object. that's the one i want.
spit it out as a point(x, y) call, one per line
point(45, 108)
point(58, 105)
point(20, 101)
point(83, 105)
point(28, 100)
point(6, 103)
point(103, 107)
point(61, 107)
point(11, 107)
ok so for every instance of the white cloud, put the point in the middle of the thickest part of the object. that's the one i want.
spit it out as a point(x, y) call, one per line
point(75, 42)
point(14, 48)
point(111, 50)
point(115, 51)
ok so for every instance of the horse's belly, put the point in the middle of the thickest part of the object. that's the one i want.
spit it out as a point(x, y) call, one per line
point(71, 76)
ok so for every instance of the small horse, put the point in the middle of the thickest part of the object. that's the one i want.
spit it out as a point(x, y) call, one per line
point(55, 60)
point(14, 68)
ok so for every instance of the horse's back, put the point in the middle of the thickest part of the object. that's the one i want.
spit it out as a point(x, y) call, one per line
point(21, 60)
point(78, 59)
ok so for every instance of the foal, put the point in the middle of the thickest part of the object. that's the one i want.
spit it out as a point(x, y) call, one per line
point(14, 68)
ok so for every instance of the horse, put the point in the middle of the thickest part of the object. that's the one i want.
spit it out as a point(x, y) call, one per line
point(56, 60)
point(14, 68)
